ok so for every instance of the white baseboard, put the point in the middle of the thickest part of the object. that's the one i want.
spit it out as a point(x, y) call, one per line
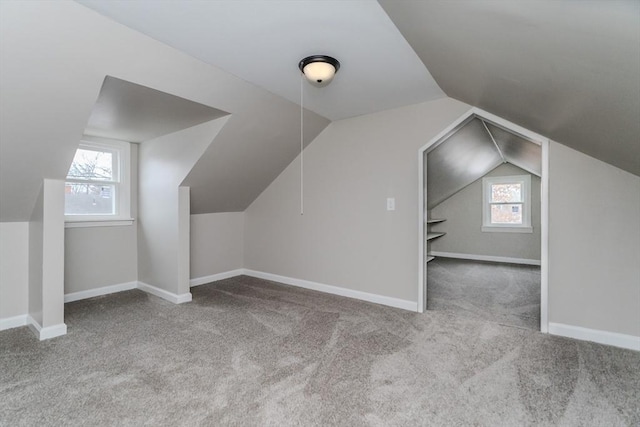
point(169, 296)
point(186, 297)
point(602, 337)
point(491, 258)
point(76, 296)
point(13, 322)
point(335, 290)
point(48, 332)
point(215, 277)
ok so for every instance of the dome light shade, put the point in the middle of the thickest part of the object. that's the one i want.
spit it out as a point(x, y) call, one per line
point(319, 69)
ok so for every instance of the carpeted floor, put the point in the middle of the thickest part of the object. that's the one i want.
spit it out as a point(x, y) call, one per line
point(503, 293)
point(248, 352)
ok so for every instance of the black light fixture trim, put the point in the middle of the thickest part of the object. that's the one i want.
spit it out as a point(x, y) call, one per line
point(319, 58)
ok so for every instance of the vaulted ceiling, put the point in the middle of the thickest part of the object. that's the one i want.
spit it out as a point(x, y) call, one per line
point(567, 70)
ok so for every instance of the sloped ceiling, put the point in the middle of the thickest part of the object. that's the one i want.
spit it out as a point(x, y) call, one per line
point(569, 70)
point(134, 113)
point(263, 41)
point(472, 151)
point(54, 57)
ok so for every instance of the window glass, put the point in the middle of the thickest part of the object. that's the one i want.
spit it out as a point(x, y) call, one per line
point(92, 165)
point(89, 199)
point(506, 203)
point(506, 214)
point(505, 193)
point(97, 184)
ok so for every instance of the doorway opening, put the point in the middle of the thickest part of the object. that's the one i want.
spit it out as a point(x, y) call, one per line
point(490, 177)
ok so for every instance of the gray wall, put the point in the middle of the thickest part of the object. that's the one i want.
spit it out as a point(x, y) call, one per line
point(217, 243)
point(463, 212)
point(14, 269)
point(594, 243)
point(346, 237)
point(163, 164)
point(103, 256)
point(99, 256)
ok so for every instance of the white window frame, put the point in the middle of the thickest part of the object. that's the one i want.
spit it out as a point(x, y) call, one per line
point(121, 183)
point(525, 227)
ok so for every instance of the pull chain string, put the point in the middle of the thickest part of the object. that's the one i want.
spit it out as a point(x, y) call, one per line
point(301, 145)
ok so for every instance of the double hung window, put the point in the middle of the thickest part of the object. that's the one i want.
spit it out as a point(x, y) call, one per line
point(97, 184)
point(507, 204)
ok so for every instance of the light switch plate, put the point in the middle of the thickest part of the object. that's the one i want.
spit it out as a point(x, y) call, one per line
point(391, 204)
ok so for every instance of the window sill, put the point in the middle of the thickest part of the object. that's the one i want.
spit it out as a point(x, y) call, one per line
point(98, 223)
point(491, 229)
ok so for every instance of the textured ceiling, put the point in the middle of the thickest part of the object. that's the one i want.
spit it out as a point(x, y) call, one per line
point(263, 41)
point(569, 70)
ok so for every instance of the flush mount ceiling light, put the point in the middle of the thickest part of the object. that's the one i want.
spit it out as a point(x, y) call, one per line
point(319, 69)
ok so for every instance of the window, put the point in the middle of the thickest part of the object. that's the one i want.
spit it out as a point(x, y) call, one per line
point(507, 204)
point(97, 185)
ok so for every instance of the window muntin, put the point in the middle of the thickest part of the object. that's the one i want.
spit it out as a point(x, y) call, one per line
point(97, 184)
point(507, 203)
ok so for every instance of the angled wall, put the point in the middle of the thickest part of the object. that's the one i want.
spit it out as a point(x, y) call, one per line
point(50, 80)
point(163, 206)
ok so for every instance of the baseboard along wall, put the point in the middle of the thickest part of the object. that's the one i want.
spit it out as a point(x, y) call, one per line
point(321, 287)
point(602, 337)
point(215, 277)
point(48, 332)
point(13, 322)
point(490, 258)
point(169, 296)
point(39, 331)
point(585, 334)
point(105, 290)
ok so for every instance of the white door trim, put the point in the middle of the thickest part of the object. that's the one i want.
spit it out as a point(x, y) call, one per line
point(544, 214)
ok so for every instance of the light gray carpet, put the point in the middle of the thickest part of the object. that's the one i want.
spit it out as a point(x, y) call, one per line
point(503, 293)
point(248, 352)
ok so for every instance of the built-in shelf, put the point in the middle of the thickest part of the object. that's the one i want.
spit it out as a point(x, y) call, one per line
point(435, 221)
point(431, 236)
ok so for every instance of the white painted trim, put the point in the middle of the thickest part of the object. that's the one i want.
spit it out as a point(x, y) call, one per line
point(103, 223)
point(48, 332)
point(169, 296)
point(534, 137)
point(602, 337)
point(487, 182)
point(76, 296)
point(491, 258)
point(13, 322)
point(197, 281)
point(504, 229)
point(544, 239)
point(544, 208)
point(335, 290)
